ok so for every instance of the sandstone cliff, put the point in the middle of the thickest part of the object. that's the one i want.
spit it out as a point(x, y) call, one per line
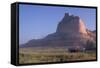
point(71, 33)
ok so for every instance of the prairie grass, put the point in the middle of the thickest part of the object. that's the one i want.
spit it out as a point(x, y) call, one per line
point(53, 55)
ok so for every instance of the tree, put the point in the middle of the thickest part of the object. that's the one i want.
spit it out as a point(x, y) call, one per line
point(91, 45)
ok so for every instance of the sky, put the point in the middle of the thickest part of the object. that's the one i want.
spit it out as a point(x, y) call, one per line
point(37, 21)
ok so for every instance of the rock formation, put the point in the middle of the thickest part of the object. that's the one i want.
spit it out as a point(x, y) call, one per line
point(71, 33)
point(71, 24)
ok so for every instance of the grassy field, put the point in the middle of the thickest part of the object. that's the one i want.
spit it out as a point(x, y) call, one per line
point(39, 55)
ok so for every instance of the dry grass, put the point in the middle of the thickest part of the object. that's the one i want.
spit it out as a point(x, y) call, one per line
point(52, 55)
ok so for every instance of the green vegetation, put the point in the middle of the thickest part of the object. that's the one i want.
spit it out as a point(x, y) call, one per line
point(31, 55)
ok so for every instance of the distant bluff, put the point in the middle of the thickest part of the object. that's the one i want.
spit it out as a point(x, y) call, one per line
point(71, 24)
point(71, 32)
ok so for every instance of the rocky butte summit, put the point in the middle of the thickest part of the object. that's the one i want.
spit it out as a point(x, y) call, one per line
point(71, 32)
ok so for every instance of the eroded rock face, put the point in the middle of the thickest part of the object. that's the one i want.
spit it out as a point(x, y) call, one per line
point(71, 24)
point(71, 33)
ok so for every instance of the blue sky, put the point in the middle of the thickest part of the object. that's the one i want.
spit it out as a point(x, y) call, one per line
point(37, 21)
